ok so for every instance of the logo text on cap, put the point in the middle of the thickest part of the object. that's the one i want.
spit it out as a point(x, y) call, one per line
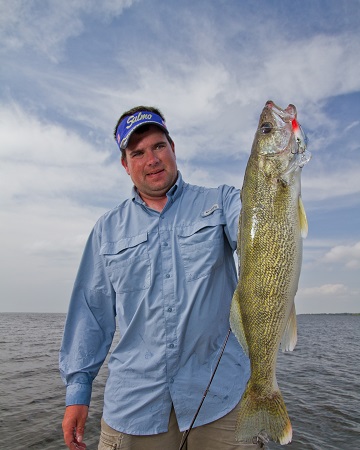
point(135, 118)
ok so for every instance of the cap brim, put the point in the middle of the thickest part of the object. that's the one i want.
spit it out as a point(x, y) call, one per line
point(125, 141)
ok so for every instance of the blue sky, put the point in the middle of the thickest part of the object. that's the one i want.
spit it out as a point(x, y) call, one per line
point(70, 68)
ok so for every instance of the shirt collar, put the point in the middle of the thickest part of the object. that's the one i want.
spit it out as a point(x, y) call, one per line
point(175, 191)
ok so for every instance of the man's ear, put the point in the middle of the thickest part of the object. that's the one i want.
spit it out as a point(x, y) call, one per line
point(125, 166)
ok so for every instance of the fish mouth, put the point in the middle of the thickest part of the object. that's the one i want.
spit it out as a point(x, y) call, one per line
point(289, 115)
point(285, 133)
point(286, 115)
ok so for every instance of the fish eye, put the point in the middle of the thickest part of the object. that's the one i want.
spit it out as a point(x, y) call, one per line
point(266, 127)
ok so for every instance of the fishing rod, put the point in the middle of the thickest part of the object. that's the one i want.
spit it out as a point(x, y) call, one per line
point(187, 432)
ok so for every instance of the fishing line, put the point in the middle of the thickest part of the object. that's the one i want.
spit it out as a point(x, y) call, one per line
point(187, 432)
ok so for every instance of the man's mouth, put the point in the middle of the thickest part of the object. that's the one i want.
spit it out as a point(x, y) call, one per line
point(155, 172)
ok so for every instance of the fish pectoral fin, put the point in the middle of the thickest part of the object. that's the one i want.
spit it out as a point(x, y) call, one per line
point(289, 339)
point(303, 220)
point(236, 322)
point(239, 235)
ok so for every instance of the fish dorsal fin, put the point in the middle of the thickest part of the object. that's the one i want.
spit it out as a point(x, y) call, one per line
point(303, 220)
point(236, 323)
point(289, 338)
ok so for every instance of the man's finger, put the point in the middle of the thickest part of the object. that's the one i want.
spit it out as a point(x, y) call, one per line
point(74, 426)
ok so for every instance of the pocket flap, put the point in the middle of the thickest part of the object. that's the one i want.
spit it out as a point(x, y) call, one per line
point(113, 248)
point(213, 221)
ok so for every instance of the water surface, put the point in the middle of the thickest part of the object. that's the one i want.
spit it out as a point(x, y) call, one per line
point(320, 383)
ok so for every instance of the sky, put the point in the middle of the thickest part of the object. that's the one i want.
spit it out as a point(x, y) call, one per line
point(69, 69)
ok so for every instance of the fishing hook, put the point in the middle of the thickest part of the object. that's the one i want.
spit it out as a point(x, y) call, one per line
point(261, 439)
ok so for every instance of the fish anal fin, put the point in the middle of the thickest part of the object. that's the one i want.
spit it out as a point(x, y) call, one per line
point(303, 219)
point(289, 338)
point(236, 322)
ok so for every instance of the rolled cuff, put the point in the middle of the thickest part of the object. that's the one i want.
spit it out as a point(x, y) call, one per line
point(78, 394)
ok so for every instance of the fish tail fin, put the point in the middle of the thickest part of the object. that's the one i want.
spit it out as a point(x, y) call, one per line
point(258, 414)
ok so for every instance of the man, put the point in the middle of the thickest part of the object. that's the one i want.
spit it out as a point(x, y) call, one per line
point(161, 263)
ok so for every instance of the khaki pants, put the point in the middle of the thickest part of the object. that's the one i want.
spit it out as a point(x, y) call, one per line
point(218, 435)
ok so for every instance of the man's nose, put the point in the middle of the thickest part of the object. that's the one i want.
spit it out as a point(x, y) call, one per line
point(152, 158)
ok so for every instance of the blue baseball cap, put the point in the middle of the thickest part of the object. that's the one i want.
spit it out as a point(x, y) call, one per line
point(130, 123)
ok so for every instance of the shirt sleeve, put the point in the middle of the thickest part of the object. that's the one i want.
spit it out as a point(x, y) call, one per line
point(89, 327)
point(231, 211)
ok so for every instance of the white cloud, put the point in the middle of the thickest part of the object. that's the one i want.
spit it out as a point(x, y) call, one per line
point(54, 186)
point(354, 124)
point(108, 9)
point(322, 66)
point(333, 183)
point(328, 298)
point(47, 25)
point(349, 255)
point(41, 244)
point(325, 290)
point(42, 160)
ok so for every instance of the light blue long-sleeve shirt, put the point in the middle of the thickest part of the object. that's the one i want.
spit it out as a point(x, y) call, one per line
point(168, 278)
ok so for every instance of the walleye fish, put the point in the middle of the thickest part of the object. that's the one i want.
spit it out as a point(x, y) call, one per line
point(272, 224)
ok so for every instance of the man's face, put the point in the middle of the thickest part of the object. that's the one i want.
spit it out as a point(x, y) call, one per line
point(151, 163)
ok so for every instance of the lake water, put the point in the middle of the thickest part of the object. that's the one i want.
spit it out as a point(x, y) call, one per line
point(320, 382)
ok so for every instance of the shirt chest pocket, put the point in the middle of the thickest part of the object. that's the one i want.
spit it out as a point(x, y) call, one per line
point(202, 248)
point(128, 263)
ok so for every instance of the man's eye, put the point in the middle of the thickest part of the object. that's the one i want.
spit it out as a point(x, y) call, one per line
point(136, 154)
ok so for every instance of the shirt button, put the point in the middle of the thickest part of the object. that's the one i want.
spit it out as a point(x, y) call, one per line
point(171, 345)
point(167, 275)
point(171, 380)
point(165, 244)
point(169, 309)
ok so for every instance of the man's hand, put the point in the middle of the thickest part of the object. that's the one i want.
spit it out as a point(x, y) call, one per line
point(74, 426)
